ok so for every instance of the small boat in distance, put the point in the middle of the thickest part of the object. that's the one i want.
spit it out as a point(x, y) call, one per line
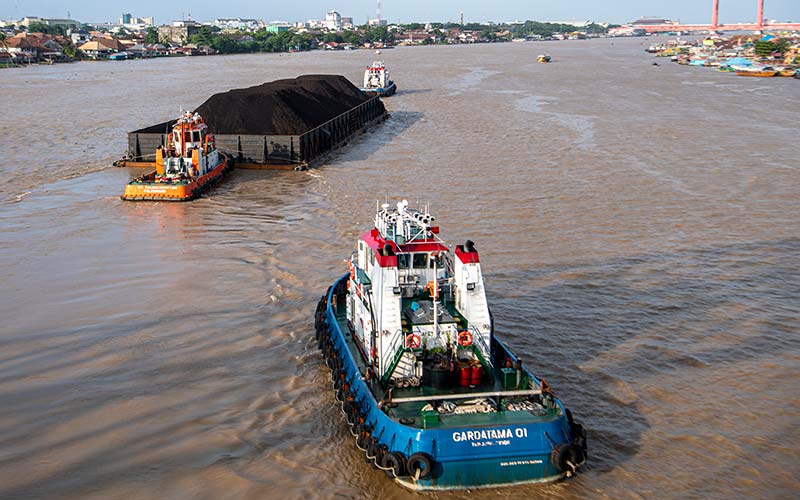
point(765, 71)
point(434, 398)
point(377, 82)
point(543, 58)
point(189, 164)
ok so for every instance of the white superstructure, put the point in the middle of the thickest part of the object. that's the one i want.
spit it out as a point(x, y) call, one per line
point(409, 292)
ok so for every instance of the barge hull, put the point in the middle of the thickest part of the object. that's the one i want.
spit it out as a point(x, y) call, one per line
point(271, 150)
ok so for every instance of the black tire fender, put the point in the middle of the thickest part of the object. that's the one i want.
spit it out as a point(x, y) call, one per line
point(421, 462)
point(375, 450)
point(395, 461)
point(561, 454)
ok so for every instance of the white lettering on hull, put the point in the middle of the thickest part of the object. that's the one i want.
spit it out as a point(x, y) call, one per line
point(493, 434)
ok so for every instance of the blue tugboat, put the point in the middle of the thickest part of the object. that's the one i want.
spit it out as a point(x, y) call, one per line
point(433, 398)
point(377, 82)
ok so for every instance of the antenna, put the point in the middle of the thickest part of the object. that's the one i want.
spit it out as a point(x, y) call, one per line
point(378, 12)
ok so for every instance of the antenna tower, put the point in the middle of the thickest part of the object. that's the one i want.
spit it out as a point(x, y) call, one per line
point(378, 12)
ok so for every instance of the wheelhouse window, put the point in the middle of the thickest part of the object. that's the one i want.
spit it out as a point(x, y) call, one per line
point(439, 259)
point(402, 261)
point(420, 260)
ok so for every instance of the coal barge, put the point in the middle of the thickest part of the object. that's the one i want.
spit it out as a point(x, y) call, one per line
point(284, 124)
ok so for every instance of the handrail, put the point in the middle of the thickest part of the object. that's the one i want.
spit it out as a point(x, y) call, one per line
point(370, 100)
point(470, 395)
point(392, 349)
point(482, 347)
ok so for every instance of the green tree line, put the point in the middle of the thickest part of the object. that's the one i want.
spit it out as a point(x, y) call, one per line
point(262, 41)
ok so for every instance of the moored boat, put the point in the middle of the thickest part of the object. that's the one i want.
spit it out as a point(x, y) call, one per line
point(433, 397)
point(543, 58)
point(787, 72)
point(188, 165)
point(766, 71)
point(377, 82)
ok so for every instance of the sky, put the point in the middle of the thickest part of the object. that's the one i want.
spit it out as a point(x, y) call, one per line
point(617, 11)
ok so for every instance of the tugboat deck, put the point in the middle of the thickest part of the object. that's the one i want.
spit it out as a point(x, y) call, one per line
point(407, 403)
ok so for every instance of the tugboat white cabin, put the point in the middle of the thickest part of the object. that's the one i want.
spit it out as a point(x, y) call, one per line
point(376, 80)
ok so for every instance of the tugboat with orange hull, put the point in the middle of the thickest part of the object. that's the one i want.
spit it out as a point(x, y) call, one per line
point(189, 164)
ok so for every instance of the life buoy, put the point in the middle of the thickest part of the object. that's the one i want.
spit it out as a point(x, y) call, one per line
point(352, 271)
point(413, 341)
point(464, 338)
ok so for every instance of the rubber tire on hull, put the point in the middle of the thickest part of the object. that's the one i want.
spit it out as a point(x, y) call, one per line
point(394, 460)
point(562, 454)
point(422, 462)
point(375, 450)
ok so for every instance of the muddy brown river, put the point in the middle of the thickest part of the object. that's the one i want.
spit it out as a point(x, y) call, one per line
point(639, 228)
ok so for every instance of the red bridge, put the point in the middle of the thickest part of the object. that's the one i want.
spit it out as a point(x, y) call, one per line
point(715, 26)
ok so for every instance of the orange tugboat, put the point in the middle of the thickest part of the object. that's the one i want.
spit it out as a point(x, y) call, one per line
point(188, 165)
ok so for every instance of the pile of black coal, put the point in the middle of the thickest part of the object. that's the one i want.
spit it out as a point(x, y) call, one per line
point(283, 107)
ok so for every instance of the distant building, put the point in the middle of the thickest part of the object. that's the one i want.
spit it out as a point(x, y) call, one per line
point(147, 21)
point(333, 21)
point(652, 21)
point(95, 50)
point(67, 23)
point(577, 24)
point(347, 23)
point(626, 31)
point(378, 22)
point(278, 27)
point(179, 32)
point(237, 23)
point(125, 19)
point(79, 37)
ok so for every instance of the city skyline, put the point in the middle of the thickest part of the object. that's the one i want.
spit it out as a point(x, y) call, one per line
point(617, 11)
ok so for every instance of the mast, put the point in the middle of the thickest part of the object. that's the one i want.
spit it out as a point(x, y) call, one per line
point(435, 296)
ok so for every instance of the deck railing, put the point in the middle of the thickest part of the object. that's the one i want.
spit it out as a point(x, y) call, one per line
point(392, 355)
point(481, 343)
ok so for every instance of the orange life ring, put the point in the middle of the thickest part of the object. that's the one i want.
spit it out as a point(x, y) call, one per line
point(464, 338)
point(413, 341)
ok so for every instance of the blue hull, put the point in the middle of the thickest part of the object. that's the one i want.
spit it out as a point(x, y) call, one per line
point(460, 457)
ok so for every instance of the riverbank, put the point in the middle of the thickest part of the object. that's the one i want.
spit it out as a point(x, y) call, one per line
point(635, 241)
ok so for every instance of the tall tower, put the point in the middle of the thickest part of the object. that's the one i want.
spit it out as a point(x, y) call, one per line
point(462, 18)
point(378, 13)
point(715, 14)
point(760, 20)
